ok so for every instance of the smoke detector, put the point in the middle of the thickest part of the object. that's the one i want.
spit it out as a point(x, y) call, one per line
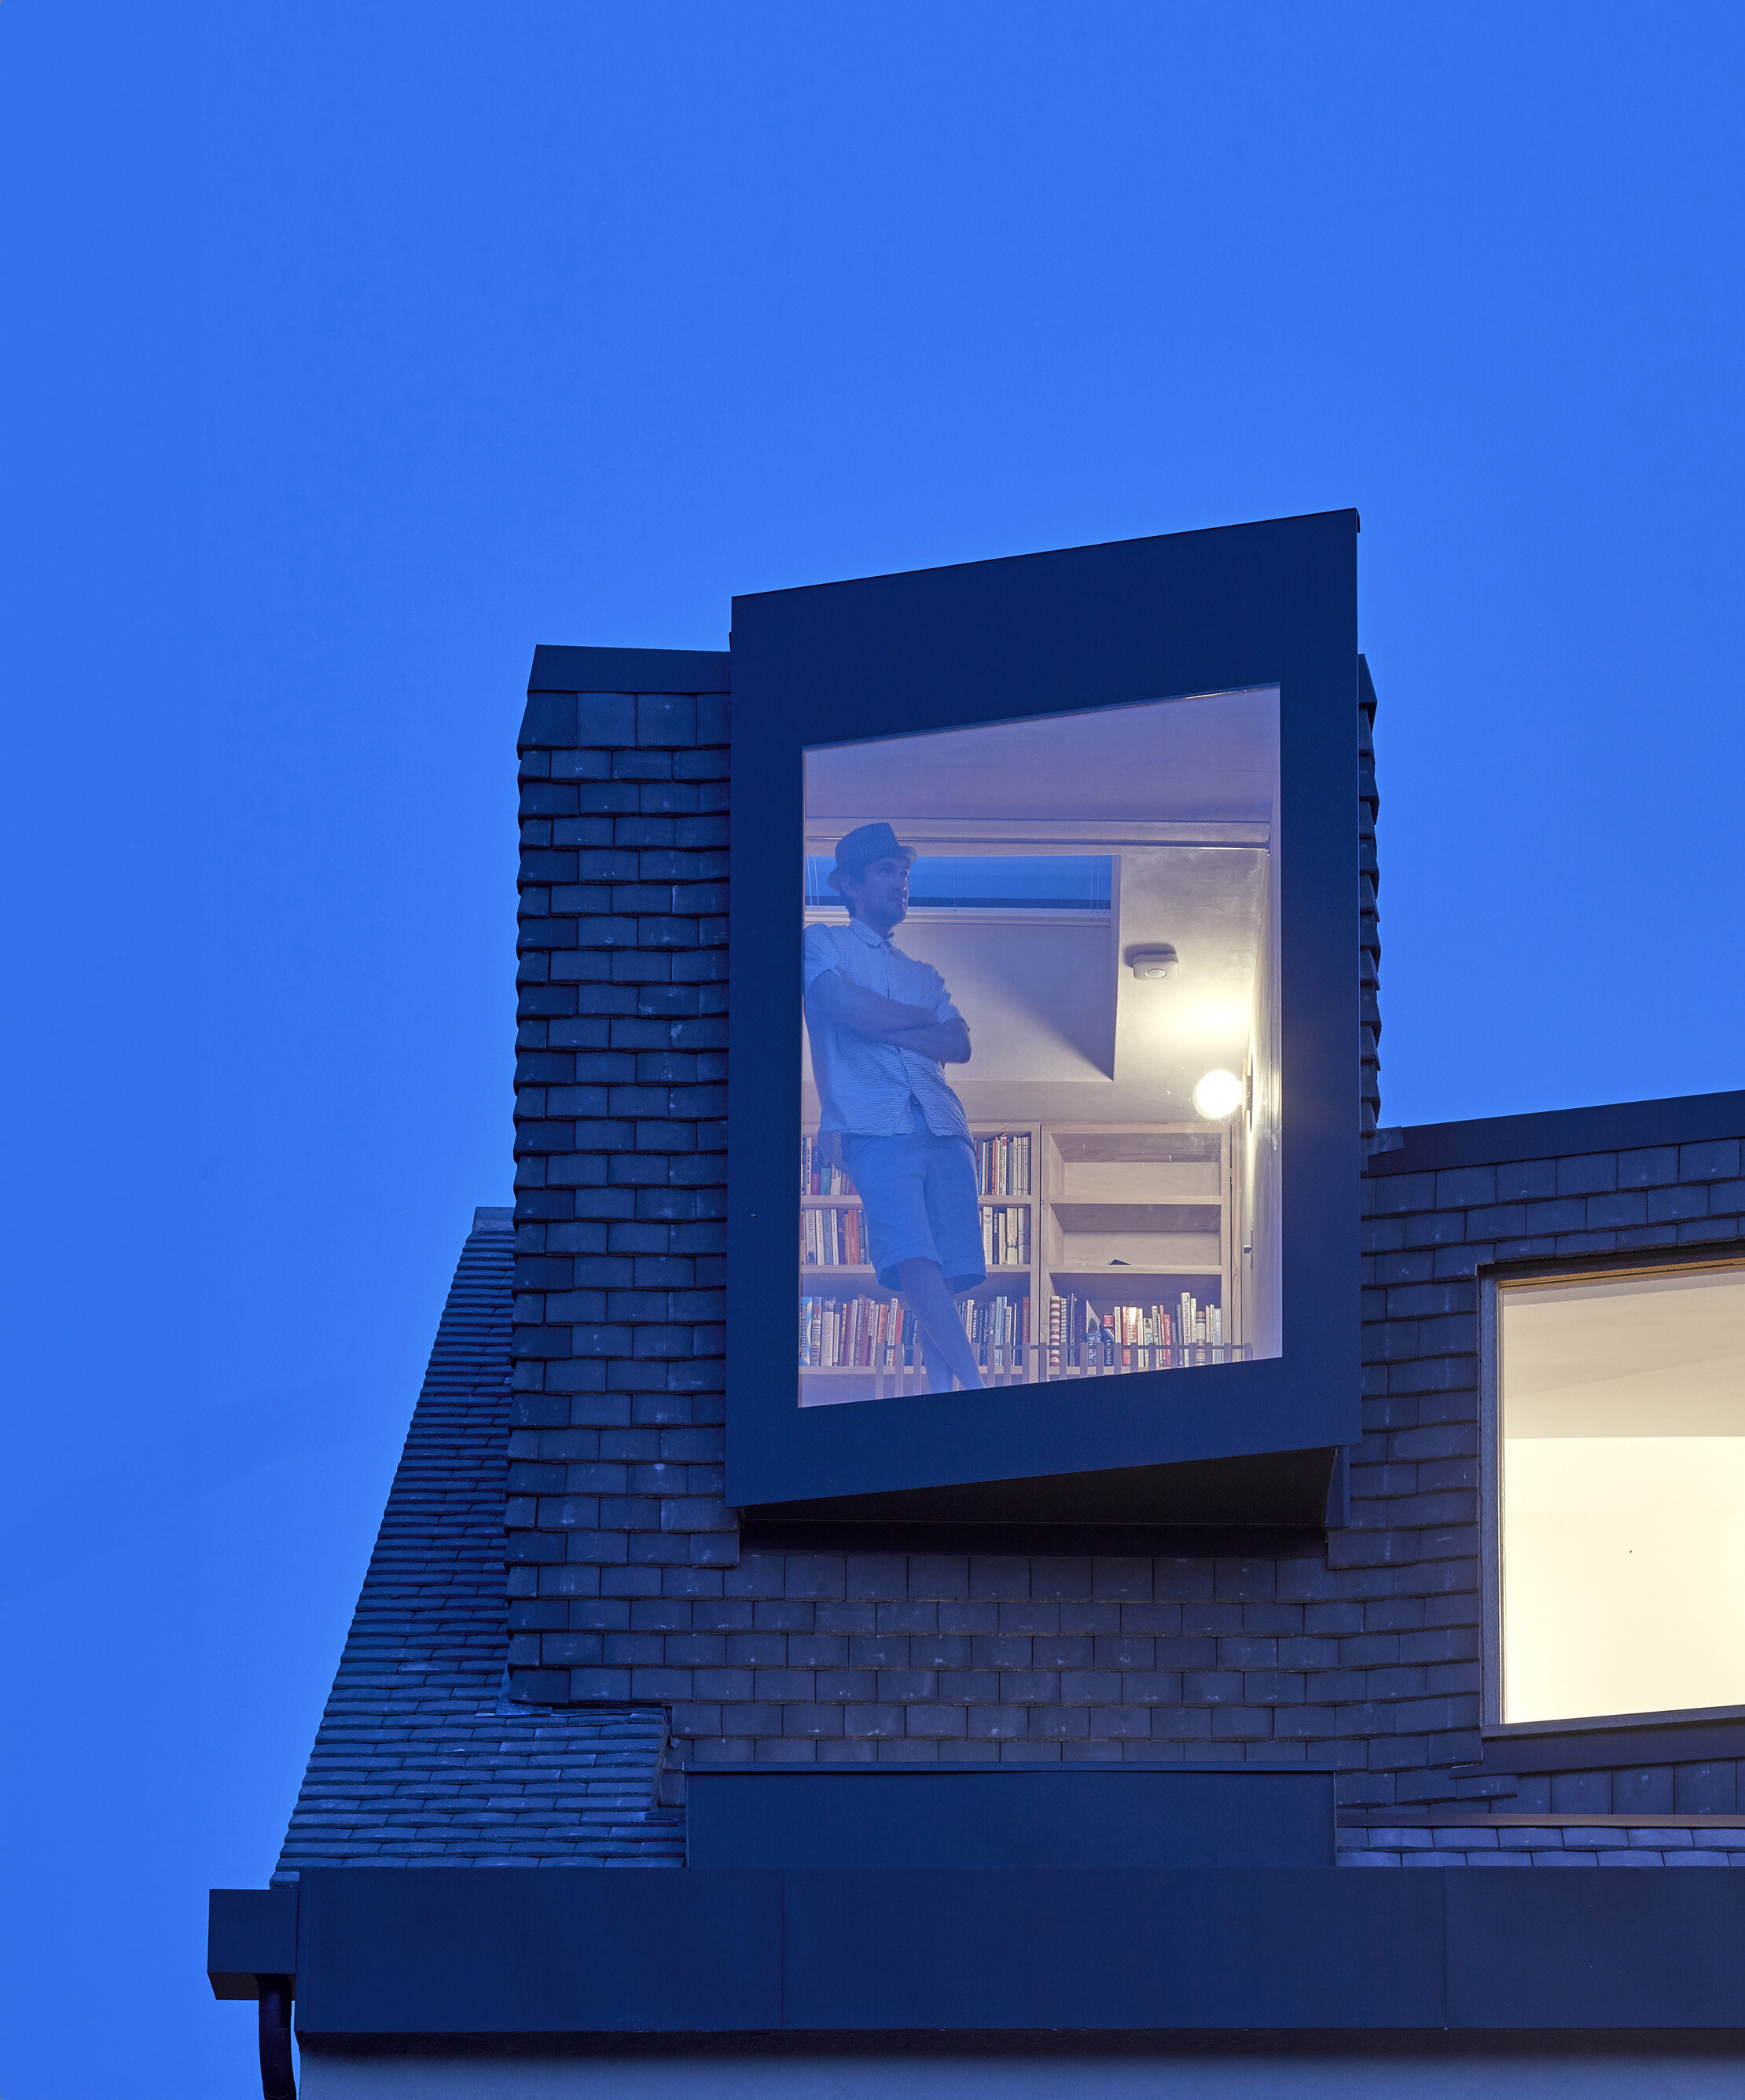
point(1153, 962)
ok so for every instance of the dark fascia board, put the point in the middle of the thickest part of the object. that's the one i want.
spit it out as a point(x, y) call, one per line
point(485, 1952)
point(501, 1950)
point(251, 1932)
point(1607, 1956)
point(1559, 1133)
point(1191, 612)
point(559, 669)
point(1078, 1815)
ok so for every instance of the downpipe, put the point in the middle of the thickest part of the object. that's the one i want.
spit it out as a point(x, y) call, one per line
point(278, 2075)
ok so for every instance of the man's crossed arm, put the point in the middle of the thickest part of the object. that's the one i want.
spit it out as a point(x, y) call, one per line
point(882, 1019)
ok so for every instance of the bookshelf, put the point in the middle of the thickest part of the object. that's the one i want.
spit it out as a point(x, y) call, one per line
point(1142, 1217)
point(999, 1301)
point(1135, 1215)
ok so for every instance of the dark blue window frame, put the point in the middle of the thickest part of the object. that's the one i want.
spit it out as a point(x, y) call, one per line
point(1139, 620)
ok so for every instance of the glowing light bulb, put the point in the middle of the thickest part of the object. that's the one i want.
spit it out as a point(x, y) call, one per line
point(1219, 1094)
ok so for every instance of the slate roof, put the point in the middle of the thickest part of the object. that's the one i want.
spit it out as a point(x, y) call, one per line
point(420, 1761)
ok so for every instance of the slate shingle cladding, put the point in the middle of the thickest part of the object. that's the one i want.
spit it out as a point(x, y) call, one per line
point(1541, 1845)
point(625, 1577)
point(1369, 891)
point(629, 1600)
point(420, 1760)
point(618, 1538)
point(1414, 1486)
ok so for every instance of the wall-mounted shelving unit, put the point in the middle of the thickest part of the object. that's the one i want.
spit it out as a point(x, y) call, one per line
point(1118, 1216)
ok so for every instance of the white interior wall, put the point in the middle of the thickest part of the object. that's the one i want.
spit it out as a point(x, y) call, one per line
point(1261, 1255)
point(1060, 1027)
point(1623, 1421)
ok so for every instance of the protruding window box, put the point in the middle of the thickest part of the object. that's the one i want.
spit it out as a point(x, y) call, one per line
point(1091, 816)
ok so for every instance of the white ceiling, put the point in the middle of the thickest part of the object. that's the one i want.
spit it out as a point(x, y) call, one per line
point(1061, 1028)
point(1634, 1356)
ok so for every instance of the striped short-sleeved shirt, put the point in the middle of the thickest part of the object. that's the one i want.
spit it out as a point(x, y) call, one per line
point(865, 1087)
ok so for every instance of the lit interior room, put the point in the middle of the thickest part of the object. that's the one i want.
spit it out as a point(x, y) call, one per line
point(1100, 893)
point(1622, 1493)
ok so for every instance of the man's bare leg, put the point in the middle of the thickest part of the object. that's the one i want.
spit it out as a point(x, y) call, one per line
point(933, 1305)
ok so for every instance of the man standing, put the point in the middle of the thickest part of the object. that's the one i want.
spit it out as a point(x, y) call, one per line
point(882, 1025)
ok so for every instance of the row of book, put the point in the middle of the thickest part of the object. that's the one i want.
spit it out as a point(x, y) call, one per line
point(878, 1334)
point(999, 1331)
point(1005, 1236)
point(1002, 1163)
point(818, 1176)
point(1129, 1337)
point(836, 1238)
point(1002, 1167)
point(873, 1334)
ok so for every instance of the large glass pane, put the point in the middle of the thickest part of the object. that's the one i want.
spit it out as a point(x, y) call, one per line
point(1038, 1131)
point(1622, 1490)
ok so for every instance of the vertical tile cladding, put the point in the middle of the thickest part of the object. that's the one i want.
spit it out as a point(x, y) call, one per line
point(1369, 887)
point(625, 1579)
point(1415, 1488)
point(616, 1446)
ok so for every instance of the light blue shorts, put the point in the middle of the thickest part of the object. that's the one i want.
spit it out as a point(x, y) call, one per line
point(921, 1203)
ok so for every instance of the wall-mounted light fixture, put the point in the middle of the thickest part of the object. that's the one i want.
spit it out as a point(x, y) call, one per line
point(1219, 1094)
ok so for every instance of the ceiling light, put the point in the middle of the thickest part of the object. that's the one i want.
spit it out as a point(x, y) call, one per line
point(1219, 1094)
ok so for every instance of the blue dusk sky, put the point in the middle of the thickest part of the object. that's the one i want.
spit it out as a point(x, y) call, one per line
point(351, 351)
